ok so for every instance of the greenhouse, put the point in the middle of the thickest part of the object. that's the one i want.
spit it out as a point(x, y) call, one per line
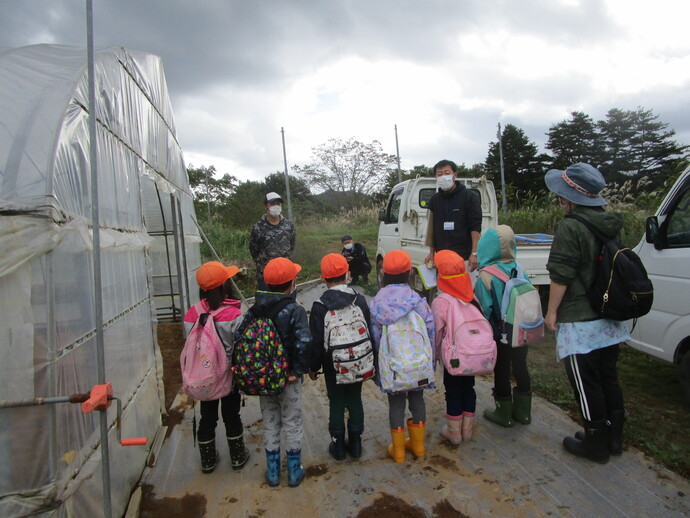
point(58, 327)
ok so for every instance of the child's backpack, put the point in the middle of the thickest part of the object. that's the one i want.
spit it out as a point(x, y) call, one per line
point(521, 317)
point(406, 355)
point(346, 338)
point(468, 347)
point(259, 358)
point(621, 289)
point(206, 373)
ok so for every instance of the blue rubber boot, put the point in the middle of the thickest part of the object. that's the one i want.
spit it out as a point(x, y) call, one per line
point(273, 468)
point(295, 469)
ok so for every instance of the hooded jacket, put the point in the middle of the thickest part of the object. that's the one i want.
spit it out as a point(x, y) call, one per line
point(393, 302)
point(293, 327)
point(573, 259)
point(496, 247)
point(330, 300)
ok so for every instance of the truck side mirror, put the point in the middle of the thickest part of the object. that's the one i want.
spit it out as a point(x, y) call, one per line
point(382, 214)
point(652, 231)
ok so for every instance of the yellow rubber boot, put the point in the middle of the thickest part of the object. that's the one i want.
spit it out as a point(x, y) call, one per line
point(415, 442)
point(397, 448)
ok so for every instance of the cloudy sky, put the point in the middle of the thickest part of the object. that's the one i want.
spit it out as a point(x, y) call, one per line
point(444, 71)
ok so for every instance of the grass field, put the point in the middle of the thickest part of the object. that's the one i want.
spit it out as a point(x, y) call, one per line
point(659, 417)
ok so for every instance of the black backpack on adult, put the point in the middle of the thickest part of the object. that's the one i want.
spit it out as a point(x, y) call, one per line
point(621, 289)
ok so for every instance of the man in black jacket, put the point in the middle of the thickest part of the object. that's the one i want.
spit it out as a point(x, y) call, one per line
point(455, 216)
point(356, 256)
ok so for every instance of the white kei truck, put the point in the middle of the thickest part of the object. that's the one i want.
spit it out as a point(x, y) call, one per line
point(665, 252)
point(403, 223)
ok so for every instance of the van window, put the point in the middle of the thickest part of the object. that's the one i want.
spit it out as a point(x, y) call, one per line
point(393, 212)
point(678, 234)
point(426, 194)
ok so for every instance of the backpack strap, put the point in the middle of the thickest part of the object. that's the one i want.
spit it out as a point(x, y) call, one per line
point(496, 272)
point(594, 230)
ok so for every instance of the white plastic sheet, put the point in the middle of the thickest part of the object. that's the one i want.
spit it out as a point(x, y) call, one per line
point(51, 454)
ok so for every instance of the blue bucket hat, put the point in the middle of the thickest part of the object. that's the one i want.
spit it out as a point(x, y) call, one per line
point(579, 183)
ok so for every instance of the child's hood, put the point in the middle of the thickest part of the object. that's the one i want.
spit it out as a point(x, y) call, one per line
point(393, 302)
point(497, 246)
point(336, 299)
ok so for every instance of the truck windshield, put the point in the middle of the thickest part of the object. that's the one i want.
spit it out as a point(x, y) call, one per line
point(426, 194)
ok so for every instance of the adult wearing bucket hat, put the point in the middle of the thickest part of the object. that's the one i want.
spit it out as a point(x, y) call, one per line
point(272, 236)
point(588, 344)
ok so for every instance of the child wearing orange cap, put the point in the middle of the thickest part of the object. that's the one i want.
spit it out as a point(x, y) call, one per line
point(335, 272)
point(284, 411)
point(214, 291)
point(461, 398)
point(395, 300)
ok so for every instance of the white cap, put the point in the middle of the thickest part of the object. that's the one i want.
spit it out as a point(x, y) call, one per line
point(272, 196)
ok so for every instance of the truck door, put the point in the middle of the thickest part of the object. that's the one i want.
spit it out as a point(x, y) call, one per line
point(389, 228)
point(414, 219)
point(660, 331)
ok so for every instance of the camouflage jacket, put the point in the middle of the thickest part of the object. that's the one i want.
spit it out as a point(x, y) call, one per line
point(268, 241)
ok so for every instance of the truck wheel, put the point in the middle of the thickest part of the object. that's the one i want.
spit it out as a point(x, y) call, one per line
point(685, 375)
point(379, 272)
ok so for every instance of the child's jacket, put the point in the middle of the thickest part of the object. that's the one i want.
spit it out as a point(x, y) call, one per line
point(393, 302)
point(331, 299)
point(227, 321)
point(292, 325)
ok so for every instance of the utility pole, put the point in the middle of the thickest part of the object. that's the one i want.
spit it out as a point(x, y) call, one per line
point(504, 205)
point(287, 178)
point(397, 152)
point(208, 194)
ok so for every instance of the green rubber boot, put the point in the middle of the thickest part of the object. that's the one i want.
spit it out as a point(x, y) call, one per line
point(522, 407)
point(503, 414)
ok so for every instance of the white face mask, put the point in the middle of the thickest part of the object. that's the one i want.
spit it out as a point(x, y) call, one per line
point(274, 210)
point(349, 246)
point(445, 182)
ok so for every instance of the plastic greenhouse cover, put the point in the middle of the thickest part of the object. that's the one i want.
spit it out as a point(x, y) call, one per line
point(51, 453)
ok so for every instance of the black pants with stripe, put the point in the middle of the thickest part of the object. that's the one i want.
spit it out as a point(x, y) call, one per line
point(594, 378)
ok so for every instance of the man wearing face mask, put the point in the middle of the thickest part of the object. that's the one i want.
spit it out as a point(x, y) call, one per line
point(455, 216)
point(272, 236)
point(356, 256)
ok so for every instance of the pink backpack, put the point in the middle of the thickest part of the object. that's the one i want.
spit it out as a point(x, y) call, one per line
point(206, 373)
point(468, 347)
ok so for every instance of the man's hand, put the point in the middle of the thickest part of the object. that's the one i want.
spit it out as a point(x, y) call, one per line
point(313, 375)
point(474, 262)
point(429, 259)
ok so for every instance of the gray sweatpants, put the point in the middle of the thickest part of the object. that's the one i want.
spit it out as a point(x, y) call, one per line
point(396, 407)
point(283, 411)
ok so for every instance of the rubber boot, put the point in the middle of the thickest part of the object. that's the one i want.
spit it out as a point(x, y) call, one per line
point(451, 431)
point(415, 442)
point(209, 456)
point(467, 421)
point(354, 441)
point(503, 414)
point(295, 468)
point(616, 420)
point(337, 446)
point(273, 468)
point(397, 447)
point(595, 446)
point(239, 454)
point(522, 407)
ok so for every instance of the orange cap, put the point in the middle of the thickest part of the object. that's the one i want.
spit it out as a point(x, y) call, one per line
point(334, 265)
point(452, 275)
point(396, 262)
point(280, 270)
point(213, 274)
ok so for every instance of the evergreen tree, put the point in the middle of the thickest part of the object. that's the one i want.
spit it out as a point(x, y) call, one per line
point(575, 140)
